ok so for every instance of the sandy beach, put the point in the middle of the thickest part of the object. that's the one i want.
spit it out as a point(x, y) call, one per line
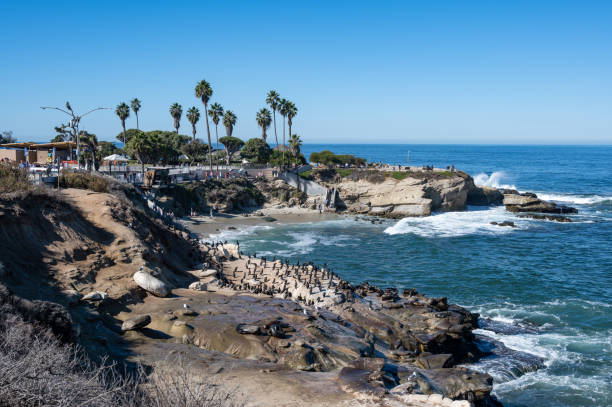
point(204, 226)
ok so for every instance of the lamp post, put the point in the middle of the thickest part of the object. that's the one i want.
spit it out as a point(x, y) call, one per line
point(74, 124)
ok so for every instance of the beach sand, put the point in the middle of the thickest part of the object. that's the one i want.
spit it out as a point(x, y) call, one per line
point(204, 226)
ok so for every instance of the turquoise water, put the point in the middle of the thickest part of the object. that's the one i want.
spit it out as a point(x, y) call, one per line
point(548, 285)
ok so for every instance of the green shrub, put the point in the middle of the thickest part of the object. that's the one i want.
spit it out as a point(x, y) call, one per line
point(83, 180)
point(13, 179)
point(326, 157)
point(400, 175)
point(344, 172)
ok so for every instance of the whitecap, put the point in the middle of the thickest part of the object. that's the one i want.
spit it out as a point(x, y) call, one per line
point(576, 199)
point(494, 180)
point(452, 224)
point(233, 234)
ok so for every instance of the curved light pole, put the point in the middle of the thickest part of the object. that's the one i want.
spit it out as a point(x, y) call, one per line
point(74, 124)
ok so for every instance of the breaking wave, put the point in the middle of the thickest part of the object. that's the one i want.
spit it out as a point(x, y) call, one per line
point(453, 224)
point(494, 180)
point(576, 199)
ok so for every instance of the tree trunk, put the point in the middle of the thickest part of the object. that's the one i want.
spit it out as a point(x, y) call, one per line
point(193, 129)
point(283, 161)
point(275, 135)
point(137, 128)
point(123, 124)
point(208, 132)
point(217, 138)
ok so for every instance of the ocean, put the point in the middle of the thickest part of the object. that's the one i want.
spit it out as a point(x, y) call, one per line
point(544, 289)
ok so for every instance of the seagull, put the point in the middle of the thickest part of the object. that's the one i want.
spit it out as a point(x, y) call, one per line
point(185, 306)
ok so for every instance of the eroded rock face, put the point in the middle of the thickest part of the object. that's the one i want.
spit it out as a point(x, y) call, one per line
point(152, 284)
point(415, 195)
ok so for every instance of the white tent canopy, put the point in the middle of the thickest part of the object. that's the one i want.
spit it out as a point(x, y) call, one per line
point(115, 157)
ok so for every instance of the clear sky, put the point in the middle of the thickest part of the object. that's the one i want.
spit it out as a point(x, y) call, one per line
point(510, 72)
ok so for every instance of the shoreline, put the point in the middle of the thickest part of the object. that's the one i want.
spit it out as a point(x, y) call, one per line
point(205, 226)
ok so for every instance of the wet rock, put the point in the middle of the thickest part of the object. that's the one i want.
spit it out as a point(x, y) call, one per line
point(152, 284)
point(276, 331)
point(455, 383)
point(554, 218)
point(136, 323)
point(435, 361)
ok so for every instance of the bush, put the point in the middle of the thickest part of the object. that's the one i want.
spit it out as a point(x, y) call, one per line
point(256, 150)
point(326, 157)
point(276, 158)
point(83, 180)
point(400, 175)
point(13, 179)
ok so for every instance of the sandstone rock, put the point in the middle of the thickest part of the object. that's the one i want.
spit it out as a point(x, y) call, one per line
point(152, 284)
point(207, 273)
point(185, 313)
point(95, 296)
point(197, 286)
point(423, 209)
point(357, 381)
point(136, 323)
point(380, 210)
point(232, 249)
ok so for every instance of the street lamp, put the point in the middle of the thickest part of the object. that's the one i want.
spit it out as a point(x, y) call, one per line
point(74, 124)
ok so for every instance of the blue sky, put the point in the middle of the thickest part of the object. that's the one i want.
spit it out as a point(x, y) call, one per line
point(359, 72)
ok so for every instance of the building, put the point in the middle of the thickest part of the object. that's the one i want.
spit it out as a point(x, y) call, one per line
point(37, 153)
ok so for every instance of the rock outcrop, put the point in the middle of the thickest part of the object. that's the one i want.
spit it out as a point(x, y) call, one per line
point(150, 283)
point(529, 202)
point(411, 194)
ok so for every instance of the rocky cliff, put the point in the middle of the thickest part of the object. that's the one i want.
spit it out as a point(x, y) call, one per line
point(285, 334)
point(401, 194)
point(396, 194)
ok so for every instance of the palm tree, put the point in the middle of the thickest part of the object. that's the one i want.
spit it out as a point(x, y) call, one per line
point(176, 111)
point(193, 115)
point(263, 120)
point(204, 92)
point(216, 113)
point(282, 109)
point(136, 107)
point(91, 141)
point(229, 120)
point(291, 112)
point(273, 100)
point(295, 143)
point(123, 111)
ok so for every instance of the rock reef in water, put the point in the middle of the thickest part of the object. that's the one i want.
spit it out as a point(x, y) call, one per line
point(419, 193)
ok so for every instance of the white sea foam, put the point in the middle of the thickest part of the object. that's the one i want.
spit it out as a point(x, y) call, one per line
point(233, 234)
point(452, 224)
point(494, 180)
point(574, 199)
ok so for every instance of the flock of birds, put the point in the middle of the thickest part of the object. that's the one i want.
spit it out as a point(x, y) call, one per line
point(304, 282)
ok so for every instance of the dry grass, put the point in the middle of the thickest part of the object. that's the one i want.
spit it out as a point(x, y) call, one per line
point(36, 369)
point(83, 180)
point(13, 179)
